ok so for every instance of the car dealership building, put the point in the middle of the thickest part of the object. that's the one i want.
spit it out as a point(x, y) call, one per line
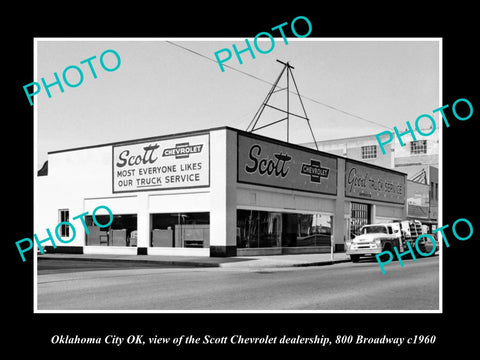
point(214, 192)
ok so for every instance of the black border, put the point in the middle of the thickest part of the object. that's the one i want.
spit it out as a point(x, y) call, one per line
point(456, 24)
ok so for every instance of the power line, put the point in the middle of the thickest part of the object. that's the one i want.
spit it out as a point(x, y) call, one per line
point(270, 83)
point(215, 61)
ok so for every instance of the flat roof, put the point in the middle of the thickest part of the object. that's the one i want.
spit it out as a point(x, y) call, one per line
point(238, 131)
point(125, 142)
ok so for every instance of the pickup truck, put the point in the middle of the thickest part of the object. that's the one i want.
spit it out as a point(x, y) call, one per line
point(372, 240)
point(376, 238)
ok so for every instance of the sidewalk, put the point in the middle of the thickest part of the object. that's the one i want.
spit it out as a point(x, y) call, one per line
point(297, 260)
point(250, 262)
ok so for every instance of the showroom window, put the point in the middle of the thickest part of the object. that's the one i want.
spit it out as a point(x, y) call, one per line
point(121, 232)
point(259, 229)
point(191, 230)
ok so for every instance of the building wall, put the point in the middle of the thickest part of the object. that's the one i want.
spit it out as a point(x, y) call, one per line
point(404, 156)
point(81, 180)
point(352, 149)
point(395, 154)
point(75, 179)
point(402, 159)
point(223, 196)
point(255, 197)
point(418, 200)
point(423, 193)
point(435, 192)
point(387, 213)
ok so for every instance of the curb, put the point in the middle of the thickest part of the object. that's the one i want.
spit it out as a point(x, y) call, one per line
point(192, 263)
point(145, 261)
point(322, 263)
point(272, 265)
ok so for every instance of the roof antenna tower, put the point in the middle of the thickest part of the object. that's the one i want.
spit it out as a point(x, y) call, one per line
point(287, 69)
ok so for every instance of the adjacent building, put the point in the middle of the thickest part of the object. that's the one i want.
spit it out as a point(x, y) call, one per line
point(418, 159)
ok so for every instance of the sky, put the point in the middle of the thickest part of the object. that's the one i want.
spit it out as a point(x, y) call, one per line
point(160, 88)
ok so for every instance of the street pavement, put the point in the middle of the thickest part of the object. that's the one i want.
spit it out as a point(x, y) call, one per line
point(260, 284)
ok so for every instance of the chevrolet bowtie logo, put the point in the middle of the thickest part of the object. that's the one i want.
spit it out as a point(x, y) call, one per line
point(183, 150)
point(315, 171)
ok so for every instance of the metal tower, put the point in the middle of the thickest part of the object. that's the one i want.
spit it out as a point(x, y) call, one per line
point(252, 127)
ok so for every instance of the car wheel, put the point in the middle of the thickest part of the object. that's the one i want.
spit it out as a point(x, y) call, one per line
point(385, 257)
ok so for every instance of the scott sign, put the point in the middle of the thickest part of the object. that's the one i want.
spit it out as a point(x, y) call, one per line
point(161, 164)
point(282, 166)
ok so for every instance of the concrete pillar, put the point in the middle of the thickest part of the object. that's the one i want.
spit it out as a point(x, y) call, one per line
point(373, 214)
point(143, 224)
point(223, 212)
point(339, 218)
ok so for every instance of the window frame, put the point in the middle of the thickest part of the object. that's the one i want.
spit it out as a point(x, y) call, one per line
point(369, 152)
point(64, 216)
point(418, 147)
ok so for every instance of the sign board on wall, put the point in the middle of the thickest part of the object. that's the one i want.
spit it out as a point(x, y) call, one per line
point(368, 182)
point(279, 165)
point(172, 163)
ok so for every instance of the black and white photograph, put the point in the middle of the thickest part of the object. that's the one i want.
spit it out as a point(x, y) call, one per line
point(241, 180)
point(274, 181)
